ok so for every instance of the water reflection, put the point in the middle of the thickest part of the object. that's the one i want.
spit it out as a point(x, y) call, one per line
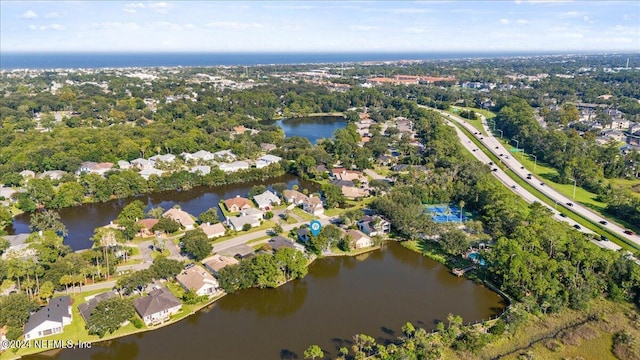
point(277, 302)
point(313, 127)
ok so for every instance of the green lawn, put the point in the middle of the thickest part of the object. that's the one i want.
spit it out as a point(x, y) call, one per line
point(625, 184)
point(303, 214)
point(477, 123)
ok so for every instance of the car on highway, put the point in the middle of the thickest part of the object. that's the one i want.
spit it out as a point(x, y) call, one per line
point(490, 162)
point(541, 184)
point(569, 204)
point(563, 215)
point(603, 222)
point(501, 155)
point(497, 147)
point(514, 186)
point(521, 167)
point(528, 177)
point(494, 169)
point(628, 232)
point(577, 226)
point(603, 238)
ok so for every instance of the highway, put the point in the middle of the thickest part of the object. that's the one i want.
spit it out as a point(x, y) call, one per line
point(510, 183)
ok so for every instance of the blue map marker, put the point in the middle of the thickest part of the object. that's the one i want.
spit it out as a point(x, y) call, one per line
point(315, 227)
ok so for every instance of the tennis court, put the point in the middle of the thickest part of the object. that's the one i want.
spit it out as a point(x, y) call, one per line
point(440, 214)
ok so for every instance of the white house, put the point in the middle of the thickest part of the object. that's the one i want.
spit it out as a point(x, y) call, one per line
point(123, 164)
point(158, 306)
point(234, 166)
point(27, 174)
point(49, 320)
point(141, 163)
point(237, 222)
point(360, 240)
point(52, 174)
point(266, 200)
point(224, 155)
point(258, 214)
point(201, 169)
point(313, 205)
point(374, 225)
point(201, 155)
point(198, 280)
point(267, 160)
point(167, 158)
point(213, 231)
point(180, 216)
point(148, 171)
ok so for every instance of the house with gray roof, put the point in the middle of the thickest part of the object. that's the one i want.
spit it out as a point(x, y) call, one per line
point(167, 158)
point(267, 160)
point(157, 306)
point(237, 222)
point(49, 320)
point(87, 307)
point(279, 242)
point(234, 166)
point(266, 200)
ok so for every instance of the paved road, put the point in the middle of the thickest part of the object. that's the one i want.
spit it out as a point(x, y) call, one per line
point(497, 148)
point(526, 195)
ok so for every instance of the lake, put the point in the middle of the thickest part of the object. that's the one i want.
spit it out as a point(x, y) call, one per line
point(82, 220)
point(375, 294)
point(313, 128)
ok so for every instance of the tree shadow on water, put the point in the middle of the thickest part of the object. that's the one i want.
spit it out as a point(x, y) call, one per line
point(388, 331)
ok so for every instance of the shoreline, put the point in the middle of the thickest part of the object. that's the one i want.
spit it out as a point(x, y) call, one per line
point(199, 307)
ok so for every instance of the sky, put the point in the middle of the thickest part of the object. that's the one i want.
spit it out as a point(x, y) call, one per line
point(320, 26)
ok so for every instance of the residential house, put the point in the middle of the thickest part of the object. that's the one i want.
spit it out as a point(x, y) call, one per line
point(141, 163)
point(347, 175)
point(258, 214)
point(85, 309)
point(238, 130)
point(145, 227)
point(182, 217)
point(201, 155)
point(237, 203)
point(266, 200)
point(266, 147)
point(237, 223)
point(313, 205)
point(201, 169)
point(166, 159)
point(294, 197)
point(233, 166)
point(198, 280)
point(213, 231)
point(27, 174)
point(224, 155)
point(49, 320)
point(279, 242)
point(267, 160)
point(95, 168)
point(360, 240)
point(123, 164)
point(217, 262)
point(303, 233)
point(374, 225)
point(7, 193)
point(157, 306)
point(148, 171)
point(52, 174)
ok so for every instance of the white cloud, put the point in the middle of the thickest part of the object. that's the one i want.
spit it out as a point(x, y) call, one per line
point(55, 27)
point(158, 7)
point(30, 14)
point(32, 27)
point(504, 21)
point(410, 11)
point(572, 14)
point(415, 30)
point(522, 21)
point(52, 15)
point(165, 25)
point(588, 19)
point(362, 27)
point(233, 25)
point(115, 25)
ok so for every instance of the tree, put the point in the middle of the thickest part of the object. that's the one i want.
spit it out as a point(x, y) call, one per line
point(209, 216)
point(196, 244)
point(15, 310)
point(155, 213)
point(46, 290)
point(332, 195)
point(279, 187)
point(454, 242)
point(166, 268)
point(47, 220)
point(4, 245)
point(277, 229)
point(292, 263)
point(166, 225)
point(109, 314)
point(69, 194)
point(313, 352)
point(257, 189)
point(246, 227)
point(6, 218)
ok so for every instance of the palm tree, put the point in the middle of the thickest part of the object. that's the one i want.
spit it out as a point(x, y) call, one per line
point(447, 212)
point(461, 204)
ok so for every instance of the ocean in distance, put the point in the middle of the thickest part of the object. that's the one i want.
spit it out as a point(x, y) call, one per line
point(34, 60)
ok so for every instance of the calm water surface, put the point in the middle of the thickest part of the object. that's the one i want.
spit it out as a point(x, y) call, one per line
point(313, 128)
point(374, 294)
point(81, 221)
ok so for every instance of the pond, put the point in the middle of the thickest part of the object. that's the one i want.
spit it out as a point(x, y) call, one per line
point(313, 128)
point(82, 220)
point(374, 293)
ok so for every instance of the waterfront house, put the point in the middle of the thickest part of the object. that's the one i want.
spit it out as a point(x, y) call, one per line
point(49, 320)
point(85, 309)
point(294, 197)
point(201, 170)
point(348, 175)
point(157, 306)
point(198, 280)
point(182, 217)
point(148, 171)
point(360, 240)
point(213, 231)
point(225, 155)
point(201, 155)
point(374, 225)
point(218, 262)
point(266, 200)
point(304, 235)
point(237, 203)
point(145, 227)
point(91, 167)
point(258, 214)
point(266, 147)
point(267, 160)
point(7, 193)
point(279, 242)
point(234, 166)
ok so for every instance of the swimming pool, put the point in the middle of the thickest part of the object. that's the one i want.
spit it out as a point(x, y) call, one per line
point(476, 257)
